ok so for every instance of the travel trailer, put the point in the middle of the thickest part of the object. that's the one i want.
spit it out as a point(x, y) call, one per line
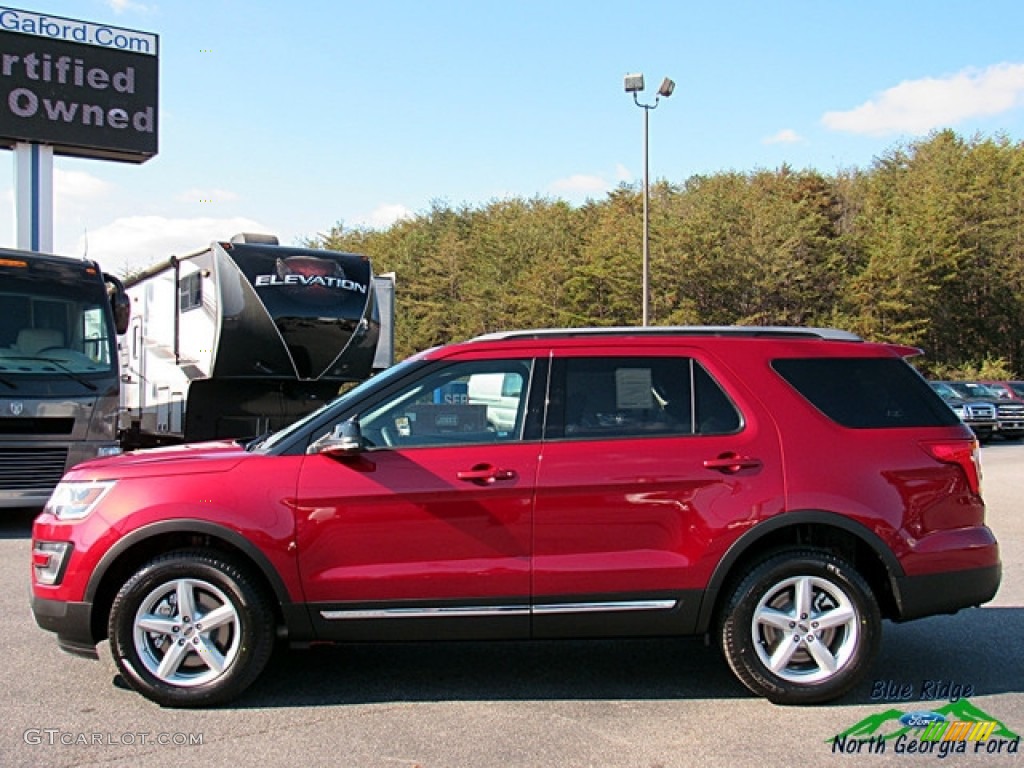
point(242, 337)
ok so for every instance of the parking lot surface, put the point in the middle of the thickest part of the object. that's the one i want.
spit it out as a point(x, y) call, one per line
point(670, 702)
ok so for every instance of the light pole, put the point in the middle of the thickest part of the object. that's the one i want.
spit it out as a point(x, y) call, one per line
point(635, 84)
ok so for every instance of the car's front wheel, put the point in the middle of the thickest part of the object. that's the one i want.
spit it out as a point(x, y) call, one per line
point(801, 628)
point(190, 629)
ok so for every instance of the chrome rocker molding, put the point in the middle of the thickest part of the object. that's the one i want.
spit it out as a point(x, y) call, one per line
point(501, 610)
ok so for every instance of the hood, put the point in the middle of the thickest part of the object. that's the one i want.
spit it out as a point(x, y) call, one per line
point(194, 458)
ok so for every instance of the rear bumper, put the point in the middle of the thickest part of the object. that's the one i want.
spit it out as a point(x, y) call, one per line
point(947, 592)
point(72, 623)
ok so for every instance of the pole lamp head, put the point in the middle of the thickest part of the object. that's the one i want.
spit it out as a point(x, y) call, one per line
point(667, 86)
point(634, 83)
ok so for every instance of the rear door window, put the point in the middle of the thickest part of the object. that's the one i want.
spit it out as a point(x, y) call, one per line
point(599, 397)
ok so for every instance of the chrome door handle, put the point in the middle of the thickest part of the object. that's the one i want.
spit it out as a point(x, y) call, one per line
point(730, 463)
point(485, 474)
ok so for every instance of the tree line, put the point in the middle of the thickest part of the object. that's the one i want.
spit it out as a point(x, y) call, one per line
point(925, 247)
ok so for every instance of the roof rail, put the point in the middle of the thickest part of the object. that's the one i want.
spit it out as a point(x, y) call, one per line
point(744, 331)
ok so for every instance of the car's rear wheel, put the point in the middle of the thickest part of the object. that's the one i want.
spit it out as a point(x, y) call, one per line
point(190, 629)
point(801, 628)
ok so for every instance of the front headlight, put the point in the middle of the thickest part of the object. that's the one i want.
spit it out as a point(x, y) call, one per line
point(75, 500)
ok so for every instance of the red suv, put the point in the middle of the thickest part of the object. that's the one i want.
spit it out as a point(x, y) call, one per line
point(782, 490)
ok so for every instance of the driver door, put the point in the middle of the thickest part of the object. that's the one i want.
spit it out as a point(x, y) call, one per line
point(427, 532)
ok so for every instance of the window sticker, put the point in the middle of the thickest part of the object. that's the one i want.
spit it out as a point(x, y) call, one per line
point(633, 388)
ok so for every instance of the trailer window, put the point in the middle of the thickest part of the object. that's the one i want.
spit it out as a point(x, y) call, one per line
point(190, 291)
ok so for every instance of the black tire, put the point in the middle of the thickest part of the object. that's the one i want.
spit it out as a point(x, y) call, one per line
point(168, 655)
point(834, 623)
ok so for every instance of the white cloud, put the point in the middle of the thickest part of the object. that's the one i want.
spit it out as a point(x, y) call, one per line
point(580, 182)
point(919, 106)
point(75, 194)
point(785, 136)
point(196, 195)
point(584, 186)
point(78, 186)
point(120, 6)
point(135, 242)
point(383, 216)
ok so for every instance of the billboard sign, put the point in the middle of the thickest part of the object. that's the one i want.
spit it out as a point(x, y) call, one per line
point(86, 89)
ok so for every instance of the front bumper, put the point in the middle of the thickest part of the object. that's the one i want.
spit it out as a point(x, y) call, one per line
point(13, 499)
point(72, 622)
point(946, 592)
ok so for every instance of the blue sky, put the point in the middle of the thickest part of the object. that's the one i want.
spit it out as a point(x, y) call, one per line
point(291, 117)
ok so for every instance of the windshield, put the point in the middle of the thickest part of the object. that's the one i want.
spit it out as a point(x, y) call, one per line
point(945, 390)
point(267, 444)
point(54, 328)
point(972, 389)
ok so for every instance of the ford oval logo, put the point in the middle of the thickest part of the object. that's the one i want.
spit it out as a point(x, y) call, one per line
point(17, 407)
point(921, 719)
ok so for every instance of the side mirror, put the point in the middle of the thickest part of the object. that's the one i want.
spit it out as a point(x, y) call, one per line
point(120, 304)
point(346, 439)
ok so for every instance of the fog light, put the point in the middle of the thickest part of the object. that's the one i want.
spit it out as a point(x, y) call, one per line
point(49, 559)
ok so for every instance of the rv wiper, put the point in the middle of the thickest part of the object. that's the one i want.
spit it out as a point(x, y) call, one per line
point(63, 369)
point(71, 374)
point(7, 383)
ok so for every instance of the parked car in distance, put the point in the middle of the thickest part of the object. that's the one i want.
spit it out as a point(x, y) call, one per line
point(780, 490)
point(980, 415)
point(1007, 390)
point(1009, 412)
point(1010, 406)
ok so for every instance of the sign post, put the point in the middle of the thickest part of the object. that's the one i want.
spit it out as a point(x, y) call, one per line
point(33, 196)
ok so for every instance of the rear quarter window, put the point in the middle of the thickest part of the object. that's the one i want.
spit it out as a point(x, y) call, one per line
point(866, 393)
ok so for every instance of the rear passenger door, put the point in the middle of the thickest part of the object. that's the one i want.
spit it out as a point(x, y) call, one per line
point(651, 460)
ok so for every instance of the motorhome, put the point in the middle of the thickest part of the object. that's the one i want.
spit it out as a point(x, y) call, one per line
point(242, 337)
point(58, 370)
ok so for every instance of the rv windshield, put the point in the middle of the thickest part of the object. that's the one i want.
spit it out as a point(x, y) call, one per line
point(52, 328)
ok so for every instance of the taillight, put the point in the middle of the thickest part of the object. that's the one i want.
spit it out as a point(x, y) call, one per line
point(964, 453)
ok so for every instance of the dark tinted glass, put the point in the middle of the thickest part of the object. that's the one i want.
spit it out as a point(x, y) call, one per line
point(867, 393)
point(636, 397)
point(716, 415)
